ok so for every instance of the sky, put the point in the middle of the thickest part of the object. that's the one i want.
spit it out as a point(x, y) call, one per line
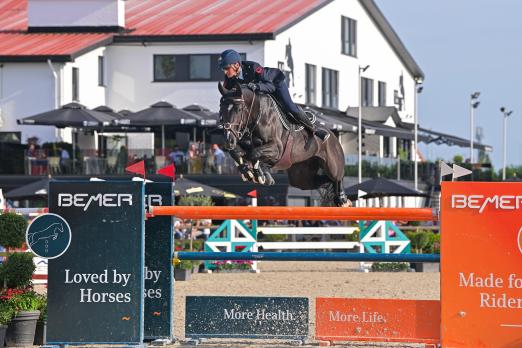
point(465, 46)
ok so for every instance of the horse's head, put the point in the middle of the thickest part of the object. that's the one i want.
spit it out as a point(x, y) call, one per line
point(235, 110)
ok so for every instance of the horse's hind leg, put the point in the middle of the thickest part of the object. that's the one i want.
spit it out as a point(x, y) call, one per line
point(334, 168)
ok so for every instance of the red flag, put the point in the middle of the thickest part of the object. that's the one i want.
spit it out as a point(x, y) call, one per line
point(253, 193)
point(169, 171)
point(137, 168)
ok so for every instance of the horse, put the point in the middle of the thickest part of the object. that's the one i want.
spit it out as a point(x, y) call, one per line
point(258, 138)
point(51, 232)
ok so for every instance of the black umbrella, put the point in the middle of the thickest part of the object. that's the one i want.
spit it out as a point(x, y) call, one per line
point(73, 115)
point(207, 117)
point(124, 112)
point(35, 189)
point(184, 187)
point(70, 115)
point(160, 114)
point(109, 111)
point(380, 187)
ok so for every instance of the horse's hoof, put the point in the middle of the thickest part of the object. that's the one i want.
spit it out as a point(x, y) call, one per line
point(244, 177)
point(261, 180)
point(347, 204)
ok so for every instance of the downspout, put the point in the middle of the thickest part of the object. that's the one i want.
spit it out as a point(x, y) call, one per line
point(57, 96)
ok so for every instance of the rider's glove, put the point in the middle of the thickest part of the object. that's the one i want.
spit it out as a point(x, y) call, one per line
point(253, 86)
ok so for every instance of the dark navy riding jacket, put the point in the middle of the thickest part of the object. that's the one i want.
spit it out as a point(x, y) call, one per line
point(269, 80)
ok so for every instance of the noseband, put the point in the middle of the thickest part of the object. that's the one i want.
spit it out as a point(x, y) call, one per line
point(241, 129)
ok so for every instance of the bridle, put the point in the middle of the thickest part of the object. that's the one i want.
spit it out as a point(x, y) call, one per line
point(241, 129)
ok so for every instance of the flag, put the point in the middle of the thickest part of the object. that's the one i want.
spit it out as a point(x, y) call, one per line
point(169, 171)
point(253, 193)
point(137, 168)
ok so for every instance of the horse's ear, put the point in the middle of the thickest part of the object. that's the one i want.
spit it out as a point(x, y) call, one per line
point(222, 89)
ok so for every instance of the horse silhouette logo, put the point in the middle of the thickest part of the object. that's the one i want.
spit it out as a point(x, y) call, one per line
point(48, 236)
point(50, 232)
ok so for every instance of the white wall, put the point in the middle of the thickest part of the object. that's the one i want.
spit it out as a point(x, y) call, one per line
point(317, 40)
point(130, 75)
point(26, 89)
point(91, 94)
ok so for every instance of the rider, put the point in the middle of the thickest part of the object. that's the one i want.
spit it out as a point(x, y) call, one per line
point(266, 80)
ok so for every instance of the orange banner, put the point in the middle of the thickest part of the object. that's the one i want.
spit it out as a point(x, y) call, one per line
point(481, 276)
point(345, 319)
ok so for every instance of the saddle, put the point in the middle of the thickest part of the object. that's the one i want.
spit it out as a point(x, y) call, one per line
point(287, 119)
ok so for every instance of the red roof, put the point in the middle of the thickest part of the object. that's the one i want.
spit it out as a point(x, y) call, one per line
point(211, 17)
point(56, 44)
point(158, 18)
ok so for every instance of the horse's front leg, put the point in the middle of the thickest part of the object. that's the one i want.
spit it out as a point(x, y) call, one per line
point(263, 157)
point(239, 158)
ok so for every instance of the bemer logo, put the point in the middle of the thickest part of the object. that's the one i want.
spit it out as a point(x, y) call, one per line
point(480, 202)
point(84, 200)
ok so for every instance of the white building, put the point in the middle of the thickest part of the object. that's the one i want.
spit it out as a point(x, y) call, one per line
point(130, 54)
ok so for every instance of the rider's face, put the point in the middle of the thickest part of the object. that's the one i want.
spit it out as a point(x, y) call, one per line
point(232, 70)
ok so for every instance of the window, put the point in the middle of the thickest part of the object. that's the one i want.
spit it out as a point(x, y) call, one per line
point(404, 148)
point(386, 146)
point(330, 88)
point(311, 84)
point(367, 92)
point(199, 67)
point(348, 36)
point(76, 84)
point(382, 93)
point(101, 71)
point(164, 68)
point(187, 67)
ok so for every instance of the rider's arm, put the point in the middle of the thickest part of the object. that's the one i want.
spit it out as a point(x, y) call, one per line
point(267, 78)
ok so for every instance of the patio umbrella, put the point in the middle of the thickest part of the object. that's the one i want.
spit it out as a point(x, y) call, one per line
point(160, 114)
point(184, 187)
point(70, 115)
point(73, 115)
point(109, 111)
point(35, 189)
point(208, 118)
point(380, 187)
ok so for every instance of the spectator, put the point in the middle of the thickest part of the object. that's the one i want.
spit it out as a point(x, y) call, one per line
point(219, 158)
point(178, 158)
point(121, 161)
point(192, 157)
point(31, 152)
point(209, 162)
point(64, 160)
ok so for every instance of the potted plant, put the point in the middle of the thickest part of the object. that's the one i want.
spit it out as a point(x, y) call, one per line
point(233, 266)
point(40, 336)
point(21, 330)
point(183, 270)
point(6, 313)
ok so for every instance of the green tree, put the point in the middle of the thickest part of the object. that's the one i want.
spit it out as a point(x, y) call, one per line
point(12, 230)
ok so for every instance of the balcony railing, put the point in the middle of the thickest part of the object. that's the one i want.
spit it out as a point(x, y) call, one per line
point(88, 162)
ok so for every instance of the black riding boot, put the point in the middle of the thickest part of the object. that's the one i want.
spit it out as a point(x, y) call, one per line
point(303, 119)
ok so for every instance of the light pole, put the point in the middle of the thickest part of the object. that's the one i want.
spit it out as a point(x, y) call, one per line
point(473, 104)
point(359, 125)
point(506, 115)
point(418, 90)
